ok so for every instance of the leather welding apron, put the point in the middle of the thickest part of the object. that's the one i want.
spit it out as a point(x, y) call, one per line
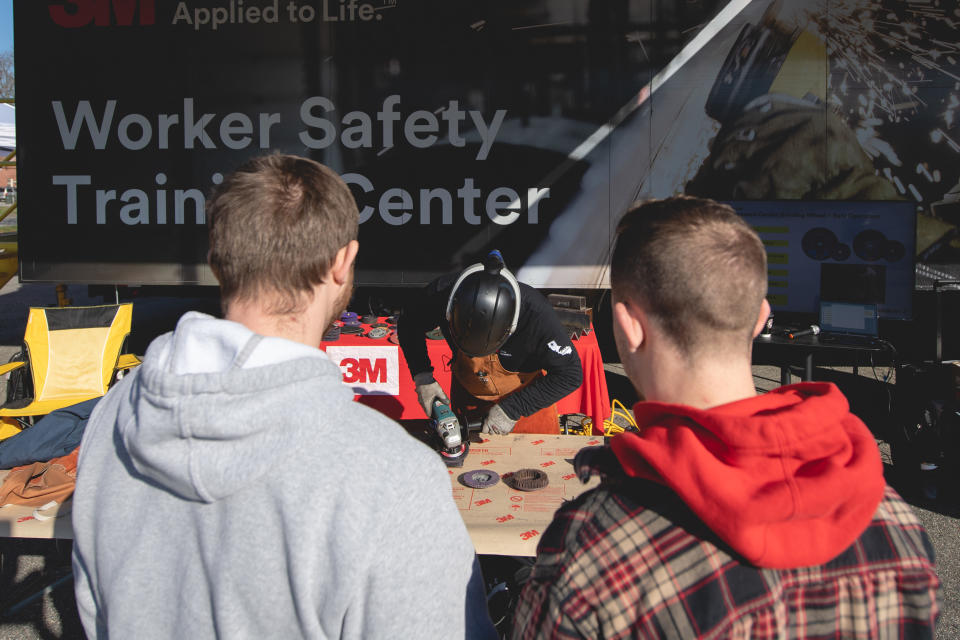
point(478, 383)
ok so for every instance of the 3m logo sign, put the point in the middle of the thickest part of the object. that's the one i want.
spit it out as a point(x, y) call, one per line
point(363, 371)
point(369, 370)
point(103, 13)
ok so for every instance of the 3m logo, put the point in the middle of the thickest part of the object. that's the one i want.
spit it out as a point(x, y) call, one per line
point(368, 370)
point(364, 371)
point(103, 13)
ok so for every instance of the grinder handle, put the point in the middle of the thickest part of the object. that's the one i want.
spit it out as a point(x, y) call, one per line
point(470, 422)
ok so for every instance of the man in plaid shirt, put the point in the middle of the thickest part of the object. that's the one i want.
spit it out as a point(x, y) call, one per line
point(730, 514)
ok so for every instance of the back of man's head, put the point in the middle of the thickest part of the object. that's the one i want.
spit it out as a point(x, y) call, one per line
point(276, 225)
point(695, 267)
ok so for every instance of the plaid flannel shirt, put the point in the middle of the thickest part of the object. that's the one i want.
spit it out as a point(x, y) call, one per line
point(629, 560)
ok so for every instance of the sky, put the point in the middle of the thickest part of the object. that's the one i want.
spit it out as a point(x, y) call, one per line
point(6, 25)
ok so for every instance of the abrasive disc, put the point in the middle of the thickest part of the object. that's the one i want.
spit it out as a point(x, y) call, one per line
point(819, 243)
point(479, 478)
point(870, 245)
point(528, 480)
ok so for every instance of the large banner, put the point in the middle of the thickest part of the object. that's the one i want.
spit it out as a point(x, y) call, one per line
point(528, 126)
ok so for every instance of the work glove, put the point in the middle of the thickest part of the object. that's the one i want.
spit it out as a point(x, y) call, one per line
point(429, 392)
point(497, 422)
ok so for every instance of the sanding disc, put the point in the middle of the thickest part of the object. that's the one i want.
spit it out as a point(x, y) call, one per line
point(332, 334)
point(348, 316)
point(479, 478)
point(895, 251)
point(377, 332)
point(528, 480)
point(870, 245)
point(819, 243)
point(369, 319)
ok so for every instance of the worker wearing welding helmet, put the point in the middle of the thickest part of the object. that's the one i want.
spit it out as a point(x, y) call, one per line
point(780, 138)
point(512, 358)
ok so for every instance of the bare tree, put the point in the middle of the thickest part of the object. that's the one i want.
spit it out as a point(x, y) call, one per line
point(6, 74)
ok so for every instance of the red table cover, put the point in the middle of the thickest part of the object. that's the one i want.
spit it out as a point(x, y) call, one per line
point(591, 399)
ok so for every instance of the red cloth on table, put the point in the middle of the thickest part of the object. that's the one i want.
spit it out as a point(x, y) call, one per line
point(591, 398)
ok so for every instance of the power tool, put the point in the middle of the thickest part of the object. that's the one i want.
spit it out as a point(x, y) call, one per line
point(453, 446)
point(452, 431)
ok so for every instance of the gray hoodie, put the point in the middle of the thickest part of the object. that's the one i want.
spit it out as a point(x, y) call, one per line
point(230, 487)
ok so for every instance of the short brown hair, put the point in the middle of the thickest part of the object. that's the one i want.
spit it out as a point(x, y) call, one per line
point(276, 225)
point(693, 264)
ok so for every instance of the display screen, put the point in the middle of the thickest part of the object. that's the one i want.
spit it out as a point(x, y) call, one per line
point(842, 317)
point(837, 251)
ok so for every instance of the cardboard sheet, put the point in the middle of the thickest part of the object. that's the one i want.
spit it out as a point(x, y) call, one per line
point(503, 521)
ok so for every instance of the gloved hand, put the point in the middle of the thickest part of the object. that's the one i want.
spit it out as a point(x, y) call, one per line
point(429, 391)
point(497, 422)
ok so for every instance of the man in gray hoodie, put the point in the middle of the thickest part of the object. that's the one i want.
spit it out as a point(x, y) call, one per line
point(230, 487)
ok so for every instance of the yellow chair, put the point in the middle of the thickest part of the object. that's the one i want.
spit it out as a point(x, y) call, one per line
point(73, 354)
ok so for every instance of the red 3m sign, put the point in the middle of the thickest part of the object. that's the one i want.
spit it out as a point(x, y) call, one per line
point(79, 13)
point(362, 370)
point(369, 370)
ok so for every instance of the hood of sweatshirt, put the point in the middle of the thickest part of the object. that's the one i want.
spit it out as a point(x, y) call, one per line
point(214, 406)
point(788, 479)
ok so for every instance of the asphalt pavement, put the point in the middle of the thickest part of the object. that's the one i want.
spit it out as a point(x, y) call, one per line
point(36, 588)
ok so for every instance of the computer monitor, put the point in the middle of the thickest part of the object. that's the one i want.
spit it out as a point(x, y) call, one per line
point(838, 251)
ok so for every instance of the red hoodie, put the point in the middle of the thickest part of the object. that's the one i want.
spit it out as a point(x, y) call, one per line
point(788, 479)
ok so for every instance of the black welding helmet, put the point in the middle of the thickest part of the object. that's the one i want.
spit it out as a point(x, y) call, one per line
point(483, 307)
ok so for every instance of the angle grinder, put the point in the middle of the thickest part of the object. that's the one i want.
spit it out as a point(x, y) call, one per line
point(453, 447)
point(452, 434)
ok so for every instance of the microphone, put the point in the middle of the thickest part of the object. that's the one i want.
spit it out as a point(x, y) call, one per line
point(812, 331)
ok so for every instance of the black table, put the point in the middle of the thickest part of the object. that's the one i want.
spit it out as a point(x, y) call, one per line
point(781, 351)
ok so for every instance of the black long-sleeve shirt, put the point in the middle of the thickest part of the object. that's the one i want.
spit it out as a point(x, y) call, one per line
point(539, 342)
